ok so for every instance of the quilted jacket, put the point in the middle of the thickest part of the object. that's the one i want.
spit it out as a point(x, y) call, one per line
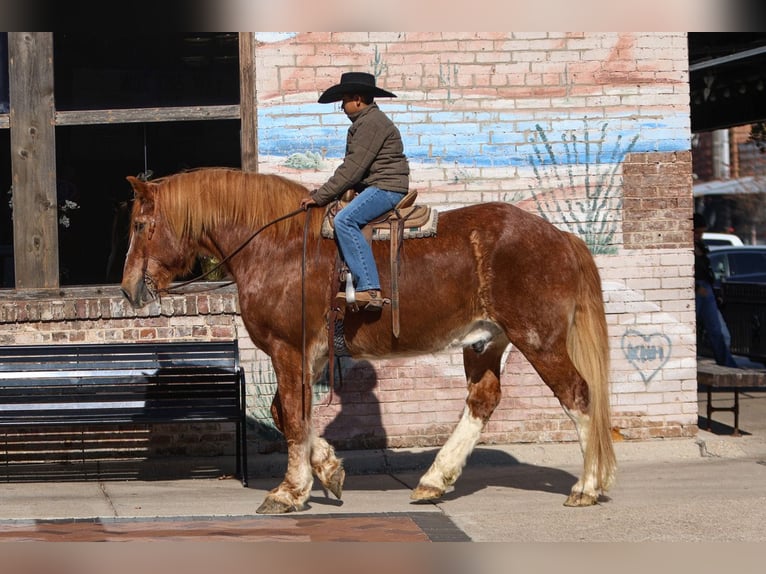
point(374, 156)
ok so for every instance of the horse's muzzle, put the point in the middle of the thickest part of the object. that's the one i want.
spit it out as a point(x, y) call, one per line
point(138, 294)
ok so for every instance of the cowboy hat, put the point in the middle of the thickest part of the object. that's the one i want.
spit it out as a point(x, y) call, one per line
point(354, 83)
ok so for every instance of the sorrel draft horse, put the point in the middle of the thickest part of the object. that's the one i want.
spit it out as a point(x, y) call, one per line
point(494, 275)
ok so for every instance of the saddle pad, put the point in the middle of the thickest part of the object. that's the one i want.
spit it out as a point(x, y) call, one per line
point(383, 231)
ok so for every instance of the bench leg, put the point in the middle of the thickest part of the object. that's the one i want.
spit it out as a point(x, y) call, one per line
point(242, 447)
point(733, 409)
point(242, 430)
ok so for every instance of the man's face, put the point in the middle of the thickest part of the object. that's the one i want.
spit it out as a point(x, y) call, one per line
point(351, 104)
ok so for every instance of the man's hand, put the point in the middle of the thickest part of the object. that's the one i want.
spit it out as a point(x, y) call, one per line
point(307, 202)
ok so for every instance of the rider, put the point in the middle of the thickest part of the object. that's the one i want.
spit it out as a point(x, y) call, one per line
point(375, 166)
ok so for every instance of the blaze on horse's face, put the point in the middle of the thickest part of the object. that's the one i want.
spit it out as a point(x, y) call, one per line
point(154, 255)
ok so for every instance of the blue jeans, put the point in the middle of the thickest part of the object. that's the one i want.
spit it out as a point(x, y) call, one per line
point(356, 252)
point(715, 328)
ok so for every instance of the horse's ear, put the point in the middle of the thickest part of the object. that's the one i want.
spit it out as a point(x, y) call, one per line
point(141, 189)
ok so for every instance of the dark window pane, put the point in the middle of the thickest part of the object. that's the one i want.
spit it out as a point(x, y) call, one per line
point(106, 70)
point(4, 97)
point(92, 163)
point(6, 220)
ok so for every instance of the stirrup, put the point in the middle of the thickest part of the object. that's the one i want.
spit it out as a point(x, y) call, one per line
point(364, 301)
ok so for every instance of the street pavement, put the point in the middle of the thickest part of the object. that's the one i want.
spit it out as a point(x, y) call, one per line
point(711, 487)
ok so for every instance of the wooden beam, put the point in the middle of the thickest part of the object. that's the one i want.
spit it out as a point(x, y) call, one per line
point(33, 160)
point(247, 102)
point(146, 115)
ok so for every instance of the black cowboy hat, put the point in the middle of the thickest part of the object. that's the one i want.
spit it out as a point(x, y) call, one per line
point(354, 83)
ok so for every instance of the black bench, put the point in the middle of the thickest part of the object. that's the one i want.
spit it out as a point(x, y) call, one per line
point(715, 378)
point(124, 383)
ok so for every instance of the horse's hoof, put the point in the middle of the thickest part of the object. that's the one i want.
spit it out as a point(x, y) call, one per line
point(274, 506)
point(581, 499)
point(424, 493)
point(335, 484)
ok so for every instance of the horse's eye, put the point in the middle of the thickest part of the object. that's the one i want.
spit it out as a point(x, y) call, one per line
point(138, 226)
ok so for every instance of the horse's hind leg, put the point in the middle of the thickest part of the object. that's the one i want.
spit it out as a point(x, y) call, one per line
point(482, 368)
point(559, 373)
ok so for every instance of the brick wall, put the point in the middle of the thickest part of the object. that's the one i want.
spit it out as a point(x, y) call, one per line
point(657, 203)
point(554, 123)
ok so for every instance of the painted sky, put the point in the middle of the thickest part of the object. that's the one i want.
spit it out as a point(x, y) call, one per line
point(466, 138)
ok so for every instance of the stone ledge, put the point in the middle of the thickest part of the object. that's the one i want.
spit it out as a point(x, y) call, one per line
point(107, 302)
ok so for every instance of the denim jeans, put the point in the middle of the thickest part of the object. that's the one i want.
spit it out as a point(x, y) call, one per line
point(356, 252)
point(715, 327)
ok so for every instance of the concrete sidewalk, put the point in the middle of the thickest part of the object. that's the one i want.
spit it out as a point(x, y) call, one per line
point(708, 488)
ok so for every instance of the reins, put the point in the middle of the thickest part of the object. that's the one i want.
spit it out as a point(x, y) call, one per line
point(173, 290)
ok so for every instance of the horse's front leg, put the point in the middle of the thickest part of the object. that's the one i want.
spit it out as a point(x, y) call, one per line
point(328, 468)
point(291, 410)
point(483, 375)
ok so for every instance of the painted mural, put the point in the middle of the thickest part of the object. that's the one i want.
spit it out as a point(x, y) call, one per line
point(555, 148)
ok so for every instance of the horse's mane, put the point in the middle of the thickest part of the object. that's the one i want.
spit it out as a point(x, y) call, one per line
point(206, 198)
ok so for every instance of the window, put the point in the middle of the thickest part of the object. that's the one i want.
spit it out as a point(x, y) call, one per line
point(98, 70)
point(4, 95)
point(92, 163)
point(124, 104)
point(6, 222)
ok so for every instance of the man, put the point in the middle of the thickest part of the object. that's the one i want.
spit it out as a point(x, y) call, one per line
point(708, 314)
point(375, 166)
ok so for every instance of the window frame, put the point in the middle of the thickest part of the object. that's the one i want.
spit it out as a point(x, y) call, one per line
point(32, 120)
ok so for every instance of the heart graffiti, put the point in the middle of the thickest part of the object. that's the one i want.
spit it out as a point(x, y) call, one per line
point(647, 353)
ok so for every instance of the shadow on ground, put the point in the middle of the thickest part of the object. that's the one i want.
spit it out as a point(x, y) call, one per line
point(485, 468)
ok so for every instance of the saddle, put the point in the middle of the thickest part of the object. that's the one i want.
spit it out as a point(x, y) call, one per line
point(406, 218)
point(405, 221)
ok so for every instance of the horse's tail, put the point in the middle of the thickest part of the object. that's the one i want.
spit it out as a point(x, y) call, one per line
point(588, 347)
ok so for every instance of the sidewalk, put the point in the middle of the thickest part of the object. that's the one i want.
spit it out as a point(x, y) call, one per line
point(710, 488)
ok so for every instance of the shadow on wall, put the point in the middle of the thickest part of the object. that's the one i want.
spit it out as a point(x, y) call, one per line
point(359, 423)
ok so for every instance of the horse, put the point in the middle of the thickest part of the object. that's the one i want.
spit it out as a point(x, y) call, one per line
point(494, 275)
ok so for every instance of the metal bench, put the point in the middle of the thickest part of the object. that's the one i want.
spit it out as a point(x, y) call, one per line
point(716, 378)
point(124, 383)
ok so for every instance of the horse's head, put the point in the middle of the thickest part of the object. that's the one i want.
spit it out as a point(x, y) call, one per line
point(155, 254)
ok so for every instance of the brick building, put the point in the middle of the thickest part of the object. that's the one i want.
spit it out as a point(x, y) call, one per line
point(590, 130)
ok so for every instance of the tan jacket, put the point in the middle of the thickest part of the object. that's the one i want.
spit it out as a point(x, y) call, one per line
point(374, 156)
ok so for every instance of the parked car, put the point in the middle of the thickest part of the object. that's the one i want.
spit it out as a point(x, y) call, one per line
point(710, 239)
point(741, 263)
point(740, 283)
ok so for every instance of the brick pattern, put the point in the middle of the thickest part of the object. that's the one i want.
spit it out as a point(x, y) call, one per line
point(657, 204)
